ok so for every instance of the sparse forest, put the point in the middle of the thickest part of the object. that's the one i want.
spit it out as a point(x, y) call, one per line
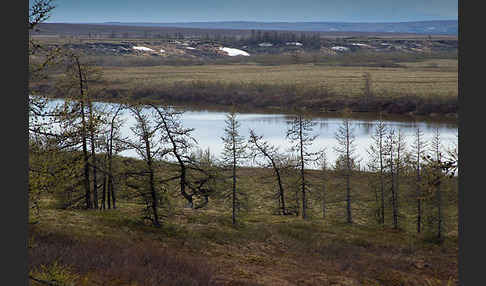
point(180, 215)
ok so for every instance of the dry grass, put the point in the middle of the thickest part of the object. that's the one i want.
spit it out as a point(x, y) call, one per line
point(264, 249)
point(434, 77)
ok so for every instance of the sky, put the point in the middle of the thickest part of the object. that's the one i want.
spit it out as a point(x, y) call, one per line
point(97, 11)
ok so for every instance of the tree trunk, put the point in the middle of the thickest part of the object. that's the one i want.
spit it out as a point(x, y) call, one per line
point(348, 183)
point(183, 185)
point(103, 197)
point(302, 173)
point(152, 184)
point(439, 212)
point(111, 187)
point(281, 191)
point(392, 171)
point(382, 184)
point(95, 179)
point(84, 139)
point(113, 193)
point(419, 202)
point(324, 201)
point(234, 184)
point(109, 193)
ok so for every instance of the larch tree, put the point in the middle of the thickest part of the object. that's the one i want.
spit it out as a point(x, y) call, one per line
point(437, 159)
point(395, 151)
point(262, 150)
point(148, 146)
point(300, 135)
point(346, 148)
point(399, 164)
point(377, 154)
point(180, 143)
point(233, 153)
point(324, 167)
point(391, 153)
point(41, 117)
point(77, 118)
point(419, 148)
point(113, 144)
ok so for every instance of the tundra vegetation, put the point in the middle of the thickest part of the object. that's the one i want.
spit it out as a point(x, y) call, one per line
point(411, 74)
point(96, 217)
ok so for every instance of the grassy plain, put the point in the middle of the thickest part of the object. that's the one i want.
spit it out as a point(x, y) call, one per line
point(424, 79)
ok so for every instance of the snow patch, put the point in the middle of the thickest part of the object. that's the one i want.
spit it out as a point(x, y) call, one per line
point(293, 44)
point(234, 52)
point(361, 45)
point(141, 48)
point(265, 44)
point(339, 48)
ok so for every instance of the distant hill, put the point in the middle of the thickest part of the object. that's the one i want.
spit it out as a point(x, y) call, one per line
point(439, 27)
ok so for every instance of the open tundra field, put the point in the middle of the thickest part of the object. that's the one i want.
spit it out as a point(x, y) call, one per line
point(424, 79)
point(274, 71)
point(419, 88)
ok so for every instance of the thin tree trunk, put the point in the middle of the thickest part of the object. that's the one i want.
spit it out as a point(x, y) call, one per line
point(302, 173)
point(183, 186)
point(419, 202)
point(439, 211)
point(382, 184)
point(297, 207)
point(109, 193)
point(324, 201)
point(152, 186)
point(281, 190)
point(113, 193)
point(103, 198)
point(392, 171)
point(111, 187)
point(84, 139)
point(234, 183)
point(348, 183)
point(93, 156)
point(95, 179)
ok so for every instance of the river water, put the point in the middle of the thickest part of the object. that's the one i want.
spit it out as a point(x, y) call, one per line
point(209, 128)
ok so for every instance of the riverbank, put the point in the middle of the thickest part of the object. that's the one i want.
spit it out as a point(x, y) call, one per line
point(428, 88)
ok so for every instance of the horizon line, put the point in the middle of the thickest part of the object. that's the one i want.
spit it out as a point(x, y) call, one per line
point(249, 21)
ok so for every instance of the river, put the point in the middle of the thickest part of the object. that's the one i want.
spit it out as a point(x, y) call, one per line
point(209, 128)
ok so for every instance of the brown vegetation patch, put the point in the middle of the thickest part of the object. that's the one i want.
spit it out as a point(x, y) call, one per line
point(114, 263)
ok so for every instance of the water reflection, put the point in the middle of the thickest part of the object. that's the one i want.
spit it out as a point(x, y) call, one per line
point(209, 128)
